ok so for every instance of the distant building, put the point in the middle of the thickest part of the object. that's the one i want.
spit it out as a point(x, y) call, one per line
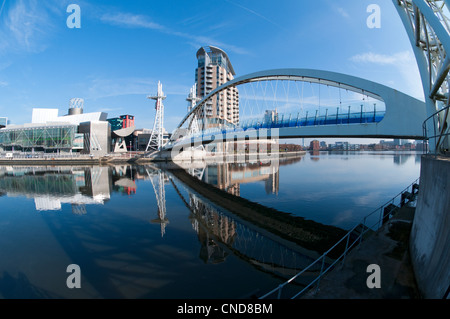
point(123, 121)
point(421, 146)
point(314, 145)
point(142, 136)
point(214, 69)
point(341, 146)
point(271, 116)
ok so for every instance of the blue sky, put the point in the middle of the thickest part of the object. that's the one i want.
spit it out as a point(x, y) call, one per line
point(124, 48)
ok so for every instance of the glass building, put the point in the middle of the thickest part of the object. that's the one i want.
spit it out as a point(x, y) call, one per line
point(46, 138)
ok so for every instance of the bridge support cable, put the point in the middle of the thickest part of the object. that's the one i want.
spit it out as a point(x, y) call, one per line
point(286, 104)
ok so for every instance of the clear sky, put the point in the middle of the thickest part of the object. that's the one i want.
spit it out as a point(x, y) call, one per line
point(124, 48)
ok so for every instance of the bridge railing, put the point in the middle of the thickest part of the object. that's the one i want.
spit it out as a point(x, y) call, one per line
point(327, 261)
point(289, 120)
point(439, 122)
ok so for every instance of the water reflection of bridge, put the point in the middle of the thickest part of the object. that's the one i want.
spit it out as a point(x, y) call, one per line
point(229, 176)
point(252, 232)
point(220, 233)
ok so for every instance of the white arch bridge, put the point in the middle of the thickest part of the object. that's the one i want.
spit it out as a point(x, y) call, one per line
point(400, 116)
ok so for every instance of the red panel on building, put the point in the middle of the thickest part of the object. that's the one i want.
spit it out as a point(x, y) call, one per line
point(128, 120)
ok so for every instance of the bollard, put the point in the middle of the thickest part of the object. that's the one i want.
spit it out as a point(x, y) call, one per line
point(415, 188)
point(387, 212)
point(405, 196)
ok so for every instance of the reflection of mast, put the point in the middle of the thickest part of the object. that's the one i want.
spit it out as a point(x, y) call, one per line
point(158, 187)
point(197, 172)
point(79, 209)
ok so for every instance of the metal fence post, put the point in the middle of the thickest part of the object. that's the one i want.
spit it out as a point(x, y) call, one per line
point(280, 287)
point(361, 117)
point(337, 115)
point(321, 270)
point(362, 232)
point(374, 112)
point(346, 248)
point(348, 120)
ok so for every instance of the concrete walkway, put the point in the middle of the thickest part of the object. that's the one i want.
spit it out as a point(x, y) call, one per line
point(388, 248)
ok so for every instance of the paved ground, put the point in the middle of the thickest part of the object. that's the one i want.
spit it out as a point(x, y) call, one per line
point(388, 248)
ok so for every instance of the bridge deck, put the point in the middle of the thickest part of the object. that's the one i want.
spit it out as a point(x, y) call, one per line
point(288, 122)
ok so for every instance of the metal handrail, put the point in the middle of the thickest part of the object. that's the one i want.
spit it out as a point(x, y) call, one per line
point(358, 239)
point(42, 155)
point(441, 133)
point(328, 119)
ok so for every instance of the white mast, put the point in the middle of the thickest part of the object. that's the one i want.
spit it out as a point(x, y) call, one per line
point(156, 141)
point(193, 99)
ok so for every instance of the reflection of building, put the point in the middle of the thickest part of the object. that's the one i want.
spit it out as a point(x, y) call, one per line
point(210, 226)
point(79, 186)
point(52, 187)
point(315, 156)
point(123, 179)
point(229, 176)
point(221, 234)
point(214, 69)
point(401, 159)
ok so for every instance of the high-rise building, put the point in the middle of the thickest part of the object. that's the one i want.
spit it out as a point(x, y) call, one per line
point(214, 69)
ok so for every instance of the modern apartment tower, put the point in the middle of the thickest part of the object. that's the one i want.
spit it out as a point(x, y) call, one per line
point(214, 69)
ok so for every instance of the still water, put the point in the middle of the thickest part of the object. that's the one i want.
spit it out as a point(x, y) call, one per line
point(152, 232)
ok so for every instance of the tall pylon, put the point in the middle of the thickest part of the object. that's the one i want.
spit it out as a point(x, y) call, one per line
point(193, 99)
point(156, 141)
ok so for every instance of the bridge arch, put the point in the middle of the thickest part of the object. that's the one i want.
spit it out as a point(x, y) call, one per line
point(427, 25)
point(403, 119)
